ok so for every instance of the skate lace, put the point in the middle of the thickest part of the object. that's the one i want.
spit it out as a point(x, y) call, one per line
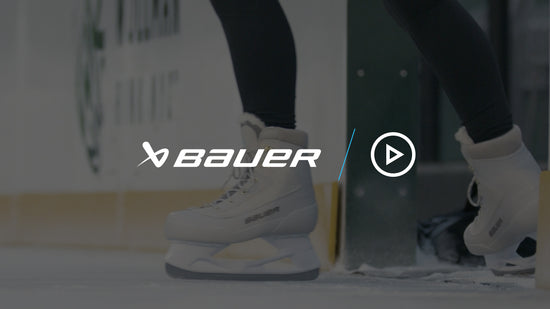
point(242, 176)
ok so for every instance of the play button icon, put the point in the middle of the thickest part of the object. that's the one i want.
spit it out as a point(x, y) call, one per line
point(398, 167)
point(396, 154)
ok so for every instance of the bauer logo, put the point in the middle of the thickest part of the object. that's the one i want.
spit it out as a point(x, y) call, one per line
point(268, 157)
point(259, 216)
point(495, 227)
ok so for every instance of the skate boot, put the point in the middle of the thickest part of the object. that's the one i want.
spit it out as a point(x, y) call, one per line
point(275, 204)
point(507, 178)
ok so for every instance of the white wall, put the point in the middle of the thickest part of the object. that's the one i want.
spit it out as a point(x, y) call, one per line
point(42, 148)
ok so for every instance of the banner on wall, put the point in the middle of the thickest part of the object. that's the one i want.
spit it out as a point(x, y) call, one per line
point(95, 79)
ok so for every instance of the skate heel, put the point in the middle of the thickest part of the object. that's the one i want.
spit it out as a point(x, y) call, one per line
point(301, 221)
point(518, 259)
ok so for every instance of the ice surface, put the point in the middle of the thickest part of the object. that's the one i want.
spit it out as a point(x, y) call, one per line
point(59, 278)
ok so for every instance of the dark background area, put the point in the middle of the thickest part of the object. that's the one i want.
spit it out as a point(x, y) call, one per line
point(391, 89)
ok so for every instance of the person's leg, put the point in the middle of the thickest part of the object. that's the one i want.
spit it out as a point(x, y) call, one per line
point(507, 176)
point(264, 58)
point(275, 204)
point(462, 58)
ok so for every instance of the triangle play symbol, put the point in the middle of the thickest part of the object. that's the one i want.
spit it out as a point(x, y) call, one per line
point(392, 151)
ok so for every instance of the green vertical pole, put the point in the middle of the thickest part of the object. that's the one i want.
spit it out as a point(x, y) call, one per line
point(380, 214)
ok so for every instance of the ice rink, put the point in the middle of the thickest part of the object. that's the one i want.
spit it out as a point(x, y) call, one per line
point(63, 278)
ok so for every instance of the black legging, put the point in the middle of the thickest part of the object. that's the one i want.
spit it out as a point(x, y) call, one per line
point(264, 57)
point(263, 53)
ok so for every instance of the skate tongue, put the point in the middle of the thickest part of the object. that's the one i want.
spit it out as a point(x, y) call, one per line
point(251, 127)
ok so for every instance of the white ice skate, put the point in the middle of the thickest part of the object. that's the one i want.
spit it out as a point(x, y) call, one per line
point(275, 204)
point(507, 177)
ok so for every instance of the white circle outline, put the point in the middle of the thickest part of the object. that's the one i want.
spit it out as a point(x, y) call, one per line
point(373, 150)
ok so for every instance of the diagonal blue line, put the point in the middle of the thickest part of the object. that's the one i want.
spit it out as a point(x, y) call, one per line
point(343, 164)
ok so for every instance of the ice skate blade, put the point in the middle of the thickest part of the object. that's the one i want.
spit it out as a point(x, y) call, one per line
point(511, 272)
point(179, 273)
point(295, 260)
point(515, 267)
point(509, 262)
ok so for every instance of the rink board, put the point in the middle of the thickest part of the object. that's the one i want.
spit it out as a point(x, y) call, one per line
point(543, 234)
point(134, 220)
